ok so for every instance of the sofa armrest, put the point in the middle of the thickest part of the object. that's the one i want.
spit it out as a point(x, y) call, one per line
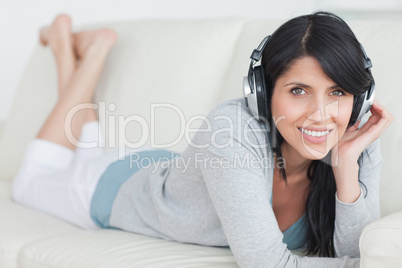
point(381, 242)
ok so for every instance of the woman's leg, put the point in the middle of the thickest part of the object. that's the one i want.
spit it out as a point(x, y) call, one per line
point(47, 181)
point(59, 39)
point(90, 130)
point(69, 48)
point(92, 48)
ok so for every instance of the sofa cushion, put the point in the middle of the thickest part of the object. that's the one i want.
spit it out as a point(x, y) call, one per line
point(20, 225)
point(32, 239)
point(381, 243)
point(113, 248)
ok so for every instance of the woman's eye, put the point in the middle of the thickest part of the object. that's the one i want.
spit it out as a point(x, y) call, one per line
point(298, 91)
point(337, 93)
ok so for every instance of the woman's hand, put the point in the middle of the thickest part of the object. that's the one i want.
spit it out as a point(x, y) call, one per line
point(344, 156)
point(356, 140)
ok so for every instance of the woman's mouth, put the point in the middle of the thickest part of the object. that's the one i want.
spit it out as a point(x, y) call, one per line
point(315, 136)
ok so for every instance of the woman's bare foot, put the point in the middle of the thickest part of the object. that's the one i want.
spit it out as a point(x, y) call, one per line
point(59, 32)
point(93, 42)
point(59, 38)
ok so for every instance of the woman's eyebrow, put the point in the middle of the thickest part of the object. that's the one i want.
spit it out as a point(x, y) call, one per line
point(334, 86)
point(297, 84)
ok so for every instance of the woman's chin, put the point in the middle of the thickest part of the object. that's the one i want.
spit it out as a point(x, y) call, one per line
point(312, 154)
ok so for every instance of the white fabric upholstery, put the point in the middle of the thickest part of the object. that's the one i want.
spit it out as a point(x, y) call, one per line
point(191, 65)
point(111, 248)
point(380, 242)
point(20, 226)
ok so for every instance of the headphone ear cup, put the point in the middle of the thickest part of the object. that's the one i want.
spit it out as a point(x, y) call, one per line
point(357, 106)
point(262, 94)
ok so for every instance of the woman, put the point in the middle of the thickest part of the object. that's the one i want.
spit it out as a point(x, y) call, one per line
point(308, 181)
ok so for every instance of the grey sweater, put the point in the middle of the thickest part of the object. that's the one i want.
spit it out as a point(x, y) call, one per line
point(218, 191)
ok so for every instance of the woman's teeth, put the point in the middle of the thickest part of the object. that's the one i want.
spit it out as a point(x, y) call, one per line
point(314, 133)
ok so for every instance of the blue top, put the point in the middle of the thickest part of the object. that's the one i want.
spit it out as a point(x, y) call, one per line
point(295, 236)
point(120, 171)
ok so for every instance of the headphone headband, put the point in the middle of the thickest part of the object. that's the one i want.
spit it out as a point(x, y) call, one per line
point(367, 66)
point(257, 53)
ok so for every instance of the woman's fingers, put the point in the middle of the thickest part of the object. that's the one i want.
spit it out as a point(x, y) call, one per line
point(356, 140)
point(380, 119)
point(354, 127)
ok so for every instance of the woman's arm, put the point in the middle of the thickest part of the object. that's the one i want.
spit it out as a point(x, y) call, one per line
point(345, 155)
point(351, 218)
point(351, 161)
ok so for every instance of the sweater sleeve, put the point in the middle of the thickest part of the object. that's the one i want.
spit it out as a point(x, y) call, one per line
point(240, 192)
point(351, 218)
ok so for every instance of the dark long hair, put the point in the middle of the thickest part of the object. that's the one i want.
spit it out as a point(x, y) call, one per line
point(327, 38)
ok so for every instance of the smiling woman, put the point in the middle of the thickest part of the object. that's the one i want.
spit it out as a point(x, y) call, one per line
point(318, 84)
point(301, 175)
point(315, 111)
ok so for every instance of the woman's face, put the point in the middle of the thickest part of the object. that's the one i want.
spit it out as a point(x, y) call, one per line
point(309, 110)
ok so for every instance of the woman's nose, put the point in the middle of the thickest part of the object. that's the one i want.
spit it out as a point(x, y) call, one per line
point(321, 110)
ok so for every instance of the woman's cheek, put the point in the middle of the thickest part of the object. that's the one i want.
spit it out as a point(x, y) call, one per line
point(345, 111)
point(284, 110)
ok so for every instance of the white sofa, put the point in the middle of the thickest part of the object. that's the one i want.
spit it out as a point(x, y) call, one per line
point(191, 65)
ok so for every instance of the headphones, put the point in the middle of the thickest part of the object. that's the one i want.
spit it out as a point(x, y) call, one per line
point(257, 94)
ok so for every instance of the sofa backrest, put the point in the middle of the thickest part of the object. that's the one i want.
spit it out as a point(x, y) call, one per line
point(176, 70)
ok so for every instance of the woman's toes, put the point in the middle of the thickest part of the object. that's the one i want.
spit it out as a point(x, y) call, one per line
point(108, 38)
point(111, 35)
